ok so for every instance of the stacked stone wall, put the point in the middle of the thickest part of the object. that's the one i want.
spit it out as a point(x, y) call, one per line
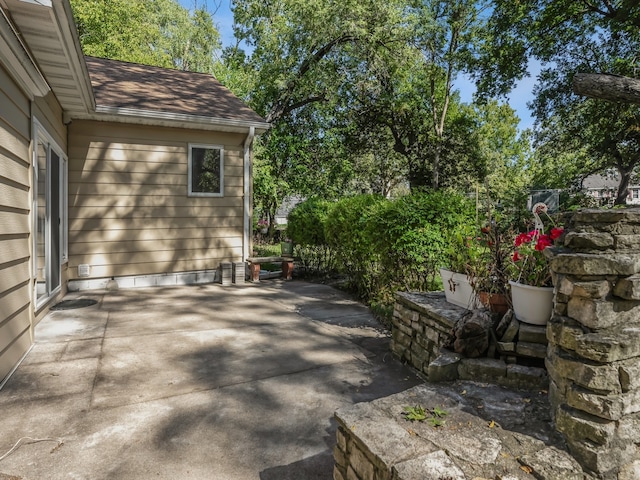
point(593, 357)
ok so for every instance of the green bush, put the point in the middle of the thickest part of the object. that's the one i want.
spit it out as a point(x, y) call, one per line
point(348, 235)
point(306, 222)
point(411, 237)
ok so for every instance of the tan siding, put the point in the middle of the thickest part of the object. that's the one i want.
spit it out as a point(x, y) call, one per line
point(12, 354)
point(15, 246)
point(129, 209)
point(49, 114)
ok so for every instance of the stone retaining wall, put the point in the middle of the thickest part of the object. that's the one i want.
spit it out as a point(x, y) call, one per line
point(422, 326)
point(594, 341)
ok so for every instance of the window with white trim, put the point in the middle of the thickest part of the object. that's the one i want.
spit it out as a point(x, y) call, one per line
point(206, 171)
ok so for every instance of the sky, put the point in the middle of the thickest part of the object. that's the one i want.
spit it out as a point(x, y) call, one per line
point(518, 98)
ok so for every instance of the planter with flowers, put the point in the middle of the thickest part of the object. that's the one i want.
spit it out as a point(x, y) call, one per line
point(462, 253)
point(490, 276)
point(263, 225)
point(532, 291)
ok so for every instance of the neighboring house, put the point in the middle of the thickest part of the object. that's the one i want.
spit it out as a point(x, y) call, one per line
point(604, 189)
point(109, 170)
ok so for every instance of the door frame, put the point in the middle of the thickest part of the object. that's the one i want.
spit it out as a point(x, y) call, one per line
point(55, 229)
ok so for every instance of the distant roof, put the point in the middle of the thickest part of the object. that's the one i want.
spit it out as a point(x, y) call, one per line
point(126, 85)
point(601, 181)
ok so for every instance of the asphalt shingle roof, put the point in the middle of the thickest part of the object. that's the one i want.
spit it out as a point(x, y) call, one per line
point(130, 85)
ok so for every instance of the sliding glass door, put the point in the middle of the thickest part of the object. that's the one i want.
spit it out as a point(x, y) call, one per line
point(50, 170)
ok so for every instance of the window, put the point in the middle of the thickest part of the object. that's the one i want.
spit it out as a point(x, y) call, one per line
point(636, 194)
point(206, 171)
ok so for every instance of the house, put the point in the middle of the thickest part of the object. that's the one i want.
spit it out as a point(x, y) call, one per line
point(604, 189)
point(109, 171)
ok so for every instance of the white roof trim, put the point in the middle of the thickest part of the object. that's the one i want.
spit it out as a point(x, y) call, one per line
point(16, 58)
point(120, 113)
point(66, 26)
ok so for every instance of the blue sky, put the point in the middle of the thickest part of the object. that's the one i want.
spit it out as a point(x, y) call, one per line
point(518, 98)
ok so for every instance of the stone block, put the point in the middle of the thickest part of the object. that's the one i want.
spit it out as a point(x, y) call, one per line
point(481, 369)
point(631, 471)
point(627, 242)
point(600, 314)
point(601, 378)
point(629, 372)
point(444, 368)
point(340, 457)
point(628, 288)
point(419, 357)
point(361, 464)
point(588, 241)
point(341, 439)
point(388, 442)
point(406, 329)
point(434, 465)
point(564, 332)
point(595, 289)
point(586, 264)
point(401, 337)
point(532, 334)
point(504, 323)
point(612, 345)
point(351, 474)
point(601, 459)
point(553, 464)
point(590, 216)
point(564, 285)
point(603, 406)
point(531, 378)
point(433, 335)
point(534, 350)
point(578, 426)
point(338, 474)
point(629, 428)
point(511, 331)
point(506, 347)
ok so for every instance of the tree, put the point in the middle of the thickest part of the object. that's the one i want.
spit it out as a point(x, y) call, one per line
point(150, 32)
point(571, 37)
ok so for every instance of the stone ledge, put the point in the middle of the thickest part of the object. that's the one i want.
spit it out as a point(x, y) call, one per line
point(467, 446)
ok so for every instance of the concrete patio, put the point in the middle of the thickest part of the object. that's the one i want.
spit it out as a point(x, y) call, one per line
point(202, 382)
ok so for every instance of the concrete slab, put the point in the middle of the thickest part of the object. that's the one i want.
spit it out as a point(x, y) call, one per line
point(200, 382)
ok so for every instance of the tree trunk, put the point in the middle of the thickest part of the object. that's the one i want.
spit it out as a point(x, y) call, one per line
point(623, 186)
point(614, 88)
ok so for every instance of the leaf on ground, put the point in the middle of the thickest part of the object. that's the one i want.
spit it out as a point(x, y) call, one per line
point(526, 469)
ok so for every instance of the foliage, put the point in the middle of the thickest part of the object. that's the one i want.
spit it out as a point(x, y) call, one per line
point(576, 136)
point(418, 413)
point(159, 32)
point(306, 222)
point(347, 233)
point(490, 272)
point(410, 234)
point(528, 262)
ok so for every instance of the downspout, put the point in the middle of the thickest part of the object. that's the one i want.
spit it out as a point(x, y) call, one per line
point(248, 142)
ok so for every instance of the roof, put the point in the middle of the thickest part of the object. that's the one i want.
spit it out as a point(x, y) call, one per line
point(142, 87)
point(597, 181)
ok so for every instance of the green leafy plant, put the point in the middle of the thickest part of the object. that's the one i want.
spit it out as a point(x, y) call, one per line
point(418, 413)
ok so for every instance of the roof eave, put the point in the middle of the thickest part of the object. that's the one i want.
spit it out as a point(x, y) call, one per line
point(178, 120)
point(14, 55)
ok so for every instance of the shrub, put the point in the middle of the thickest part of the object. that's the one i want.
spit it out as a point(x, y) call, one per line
point(305, 228)
point(348, 235)
point(306, 222)
point(411, 236)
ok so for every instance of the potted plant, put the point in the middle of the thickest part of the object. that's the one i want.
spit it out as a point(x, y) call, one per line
point(489, 275)
point(532, 290)
point(462, 253)
point(263, 225)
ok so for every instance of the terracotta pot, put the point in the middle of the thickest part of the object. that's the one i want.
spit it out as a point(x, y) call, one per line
point(495, 302)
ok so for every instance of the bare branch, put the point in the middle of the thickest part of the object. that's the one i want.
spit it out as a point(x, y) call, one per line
point(614, 88)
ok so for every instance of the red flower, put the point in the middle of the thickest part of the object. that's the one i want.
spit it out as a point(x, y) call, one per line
point(523, 238)
point(516, 257)
point(543, 242)
point(556, 233)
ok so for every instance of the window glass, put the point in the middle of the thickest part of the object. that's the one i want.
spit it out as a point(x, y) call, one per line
point(205, 170)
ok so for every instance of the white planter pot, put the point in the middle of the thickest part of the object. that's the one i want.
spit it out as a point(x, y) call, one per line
point(532, 304)
point(457, 289)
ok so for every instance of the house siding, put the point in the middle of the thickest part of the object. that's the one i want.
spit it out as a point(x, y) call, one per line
point(129, 213)
point(15, 295)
